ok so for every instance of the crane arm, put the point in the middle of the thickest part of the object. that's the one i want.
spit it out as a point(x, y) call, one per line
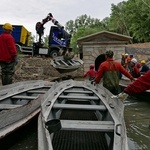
point(40, 26)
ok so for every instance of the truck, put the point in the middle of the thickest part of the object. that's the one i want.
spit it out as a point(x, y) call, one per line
point(22, 38)
point(58, 42)
point(20, 34)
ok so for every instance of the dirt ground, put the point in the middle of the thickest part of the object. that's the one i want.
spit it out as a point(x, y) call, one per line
point(38, 68)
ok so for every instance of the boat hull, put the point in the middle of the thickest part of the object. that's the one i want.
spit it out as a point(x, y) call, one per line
point(15, 112)
point(78, 115)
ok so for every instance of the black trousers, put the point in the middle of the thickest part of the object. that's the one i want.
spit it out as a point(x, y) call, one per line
point(7, 70)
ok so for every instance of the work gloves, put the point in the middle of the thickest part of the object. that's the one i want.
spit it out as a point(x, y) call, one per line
point(16, 60)
point(122, 96)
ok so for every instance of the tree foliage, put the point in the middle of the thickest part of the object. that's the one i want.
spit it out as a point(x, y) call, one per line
point(131, 18)
point(82, 26)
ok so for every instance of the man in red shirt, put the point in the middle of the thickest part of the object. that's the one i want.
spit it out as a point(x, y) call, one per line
point(110, 71)
point(8, 54)
point(135, 72)
point(91, 73)
point(140, 85)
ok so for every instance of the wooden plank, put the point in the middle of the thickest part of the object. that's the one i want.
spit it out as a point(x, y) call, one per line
point(8, 106)
point(24, 97)
point(64, 63)
point(77, 91)
point(78, 125)
point(79, 97)
point(36, 91)
point(83, 107)
point(57, 63)
point(71, 63)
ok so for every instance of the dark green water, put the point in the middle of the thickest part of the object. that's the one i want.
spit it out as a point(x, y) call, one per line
point(137, 118)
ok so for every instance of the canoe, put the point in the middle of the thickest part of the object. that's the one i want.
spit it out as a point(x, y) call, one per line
point(124, 82)
point(78, 115)
point(66, 65)
point(19, 103)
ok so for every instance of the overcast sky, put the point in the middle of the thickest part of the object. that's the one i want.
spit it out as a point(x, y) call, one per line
point(29, 12)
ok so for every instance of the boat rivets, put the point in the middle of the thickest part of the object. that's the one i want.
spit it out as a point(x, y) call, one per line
point(49, 103)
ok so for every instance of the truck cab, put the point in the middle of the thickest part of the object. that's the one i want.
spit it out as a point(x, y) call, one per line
point(59, 41)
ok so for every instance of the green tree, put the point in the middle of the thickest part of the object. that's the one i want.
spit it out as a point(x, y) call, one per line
point(118, 19)
point(82, 21)
point(131, 18)
point(139, 20)
point(82, 26)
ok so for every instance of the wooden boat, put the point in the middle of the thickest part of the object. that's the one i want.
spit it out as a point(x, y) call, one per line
point(78, 115)
point(124, 82)
point(66, 65)
point(20, 102)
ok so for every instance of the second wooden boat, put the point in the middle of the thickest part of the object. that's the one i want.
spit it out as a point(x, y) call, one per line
point(77, 115)
point(68, 65)
point(19, 103)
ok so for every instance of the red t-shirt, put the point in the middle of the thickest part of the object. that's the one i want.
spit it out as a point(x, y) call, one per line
point(140, 85)
point(7, 47)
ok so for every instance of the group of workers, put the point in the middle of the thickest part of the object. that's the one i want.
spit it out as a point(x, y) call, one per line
point(133, 66)
point(110, 71)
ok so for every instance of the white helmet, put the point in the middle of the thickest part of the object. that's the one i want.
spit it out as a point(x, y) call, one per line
point(134, 60)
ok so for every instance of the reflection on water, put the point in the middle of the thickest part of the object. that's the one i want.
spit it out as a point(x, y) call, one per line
point(137, 118)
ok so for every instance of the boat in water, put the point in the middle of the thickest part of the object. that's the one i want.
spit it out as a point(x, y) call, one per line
point(19, 103)
point(78, 115)
point(66, 65)
point(124, 82)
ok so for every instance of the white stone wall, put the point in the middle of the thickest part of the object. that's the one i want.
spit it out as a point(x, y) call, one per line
point(91, 52)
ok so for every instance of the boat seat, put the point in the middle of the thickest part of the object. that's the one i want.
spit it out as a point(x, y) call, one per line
point(78, 125)
point(77, 91)
point(79, 97)
point(57, 63)
point(36, 91)
point(71, 63)
point(64, 63)
point(24, 97)
point(82, 107)
point(8, 106)
point(74, 62)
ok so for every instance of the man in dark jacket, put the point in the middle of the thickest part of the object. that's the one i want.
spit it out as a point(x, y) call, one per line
point(8, 54)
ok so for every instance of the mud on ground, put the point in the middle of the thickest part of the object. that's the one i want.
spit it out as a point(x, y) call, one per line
point(38, 68)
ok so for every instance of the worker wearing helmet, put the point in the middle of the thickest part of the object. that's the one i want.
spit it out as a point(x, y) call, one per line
point(91, 73)
point(110, 70)
point(8, 54)
point(123, 59)
point(127, 61)
point(144, 67)
point(134, 68)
